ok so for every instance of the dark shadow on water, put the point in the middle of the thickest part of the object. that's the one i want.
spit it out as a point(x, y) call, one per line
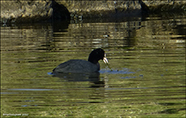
point(82, 77)
point(77, 77)
point(91, 77)
point(172, 111)
point(170, 104)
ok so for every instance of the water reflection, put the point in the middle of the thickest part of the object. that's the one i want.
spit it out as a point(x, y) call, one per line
point(93, 77)
point(113, 71)
point(80, 77)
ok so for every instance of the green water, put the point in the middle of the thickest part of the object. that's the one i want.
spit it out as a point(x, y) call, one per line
point(145, 76)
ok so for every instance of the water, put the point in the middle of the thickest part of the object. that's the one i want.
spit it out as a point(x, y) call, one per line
point(145, 76)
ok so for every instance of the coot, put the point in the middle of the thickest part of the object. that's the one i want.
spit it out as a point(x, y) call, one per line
point(83, 66)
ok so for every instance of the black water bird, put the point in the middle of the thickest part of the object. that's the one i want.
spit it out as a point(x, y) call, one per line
point(83, 66)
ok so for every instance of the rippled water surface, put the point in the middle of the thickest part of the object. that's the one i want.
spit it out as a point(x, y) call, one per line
point(145, 76)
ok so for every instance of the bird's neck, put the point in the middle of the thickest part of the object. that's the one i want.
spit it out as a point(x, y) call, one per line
point(90, 59)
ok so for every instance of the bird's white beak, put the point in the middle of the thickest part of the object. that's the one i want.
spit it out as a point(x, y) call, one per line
point(105, 59)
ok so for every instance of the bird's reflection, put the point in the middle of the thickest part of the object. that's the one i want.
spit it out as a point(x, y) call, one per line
point(79, 77)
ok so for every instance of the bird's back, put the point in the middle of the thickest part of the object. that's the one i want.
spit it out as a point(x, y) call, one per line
point(77, 66)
